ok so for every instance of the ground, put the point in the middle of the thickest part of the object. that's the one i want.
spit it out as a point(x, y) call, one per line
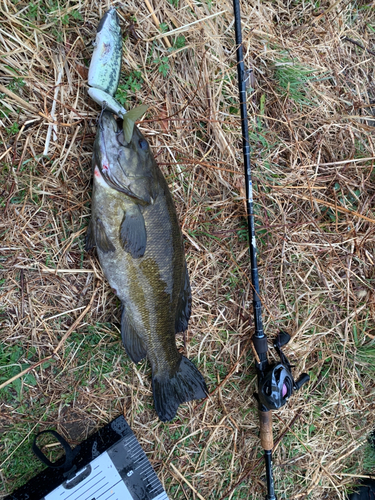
point(311, 116)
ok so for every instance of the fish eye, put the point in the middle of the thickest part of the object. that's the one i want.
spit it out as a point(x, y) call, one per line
point(143, 144)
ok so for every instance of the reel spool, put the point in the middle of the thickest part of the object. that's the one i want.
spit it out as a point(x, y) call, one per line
point(276, 383)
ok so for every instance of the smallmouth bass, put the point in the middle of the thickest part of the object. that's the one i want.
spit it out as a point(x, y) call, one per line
point(135, 228)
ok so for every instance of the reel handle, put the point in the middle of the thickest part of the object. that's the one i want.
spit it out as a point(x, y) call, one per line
point(302, 379)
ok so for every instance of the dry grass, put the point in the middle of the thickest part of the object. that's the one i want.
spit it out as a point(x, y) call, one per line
point(311, 121)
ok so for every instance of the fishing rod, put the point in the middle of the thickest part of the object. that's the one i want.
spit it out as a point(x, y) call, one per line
point(275, 380)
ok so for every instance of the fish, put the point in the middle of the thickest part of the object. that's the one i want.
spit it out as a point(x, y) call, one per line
point(105, 65)
point(135, 228)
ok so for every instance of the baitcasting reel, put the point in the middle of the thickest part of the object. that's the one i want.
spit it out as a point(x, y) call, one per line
point(275, 382)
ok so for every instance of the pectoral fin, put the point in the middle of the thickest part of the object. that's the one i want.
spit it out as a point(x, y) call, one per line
point(133, 234)
point(102, 241)
point(90, 236)
point(132, 342)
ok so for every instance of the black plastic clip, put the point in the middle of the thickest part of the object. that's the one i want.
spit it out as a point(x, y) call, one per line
point(67, 465)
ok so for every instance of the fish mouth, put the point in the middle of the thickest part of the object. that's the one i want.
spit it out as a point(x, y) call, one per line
point(107, 119)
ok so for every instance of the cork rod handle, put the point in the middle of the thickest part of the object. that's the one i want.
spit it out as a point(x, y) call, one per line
point(266, 437)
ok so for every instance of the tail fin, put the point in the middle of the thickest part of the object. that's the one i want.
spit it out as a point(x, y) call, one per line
point(186, 384)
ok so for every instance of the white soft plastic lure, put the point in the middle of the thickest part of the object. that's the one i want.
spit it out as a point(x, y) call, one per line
point(105, 68)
